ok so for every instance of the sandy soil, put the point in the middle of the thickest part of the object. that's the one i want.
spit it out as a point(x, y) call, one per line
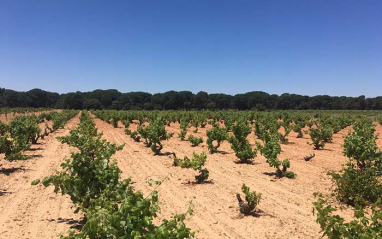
point(35, 211)
point(7, 118)
point(285, 209)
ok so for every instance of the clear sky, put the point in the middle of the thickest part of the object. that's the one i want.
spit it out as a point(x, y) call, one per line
point(309, 47)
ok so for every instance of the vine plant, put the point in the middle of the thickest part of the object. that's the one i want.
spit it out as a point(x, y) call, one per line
point(270, 150)
point(113, 209)
point(218, 134)
point(239, 142)
point(196, 163)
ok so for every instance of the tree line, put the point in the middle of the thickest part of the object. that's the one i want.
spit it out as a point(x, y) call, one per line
point(183, 100)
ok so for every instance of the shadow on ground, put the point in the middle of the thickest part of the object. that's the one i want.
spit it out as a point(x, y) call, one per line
point(8, 171)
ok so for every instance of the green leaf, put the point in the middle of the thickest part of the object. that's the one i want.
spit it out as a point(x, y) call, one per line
point(35, 182)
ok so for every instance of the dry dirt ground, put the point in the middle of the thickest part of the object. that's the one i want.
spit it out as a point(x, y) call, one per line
point(285, 209)
point(28, 211)
point(6, 118)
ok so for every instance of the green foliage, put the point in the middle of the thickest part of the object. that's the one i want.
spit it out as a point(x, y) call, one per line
point(184, 125)
point(320, 135)
point(110, 117)
point(252, 198)
point(8, 148)
point(196, 163)
point(35, 182)
point(195, 123)
point(336, 123)
point(283, 136)
point(126, 123)
point(228, 122)
point(360, 145)
point(218, 134)
point(24, 128)
point(154, 134)
point(133, 134)
point(298, 129)
point(21, 132)
point(358, 184)
point(259, 129)
point(113, 208)
point(327, 134)
point(299, 123)
point(286, 124)
point(141, 119)
point(114, 121)
point(144, 133)
point(365, 225)
point(18, 136)
point(180, 100)
point(203, 175)
point(239, 142)
point(270, 150)
point(3, 128)
point(359, 181)
point(379, 119)
point(60, 119)
point(269, 126)
point(131, 218)
point(316, 137)
point(198, 120)
point(89, 173)
point(357, 187)
point(271, 147)
point(195, 141)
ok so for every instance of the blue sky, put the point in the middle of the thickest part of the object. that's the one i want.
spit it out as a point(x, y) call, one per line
point(309, 47)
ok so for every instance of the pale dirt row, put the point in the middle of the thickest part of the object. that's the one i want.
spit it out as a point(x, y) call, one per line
point(6, 118)
point(285, 210)
point(35, 211)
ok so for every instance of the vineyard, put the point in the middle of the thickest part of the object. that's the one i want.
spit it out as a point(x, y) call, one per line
point(190, 174)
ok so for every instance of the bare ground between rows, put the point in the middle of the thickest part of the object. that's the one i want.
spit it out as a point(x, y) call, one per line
point(35, 211)
point(285, 209)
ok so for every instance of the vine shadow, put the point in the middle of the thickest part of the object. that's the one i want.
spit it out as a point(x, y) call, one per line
point(193, 183)
point(270, 174)
point(8, 171)
point(165, 154)
point(74, 224)
point(4, 193)
point(256, 213)
point(35, 149)
point(221, 152)
point(249, 162)
point(36, 156)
